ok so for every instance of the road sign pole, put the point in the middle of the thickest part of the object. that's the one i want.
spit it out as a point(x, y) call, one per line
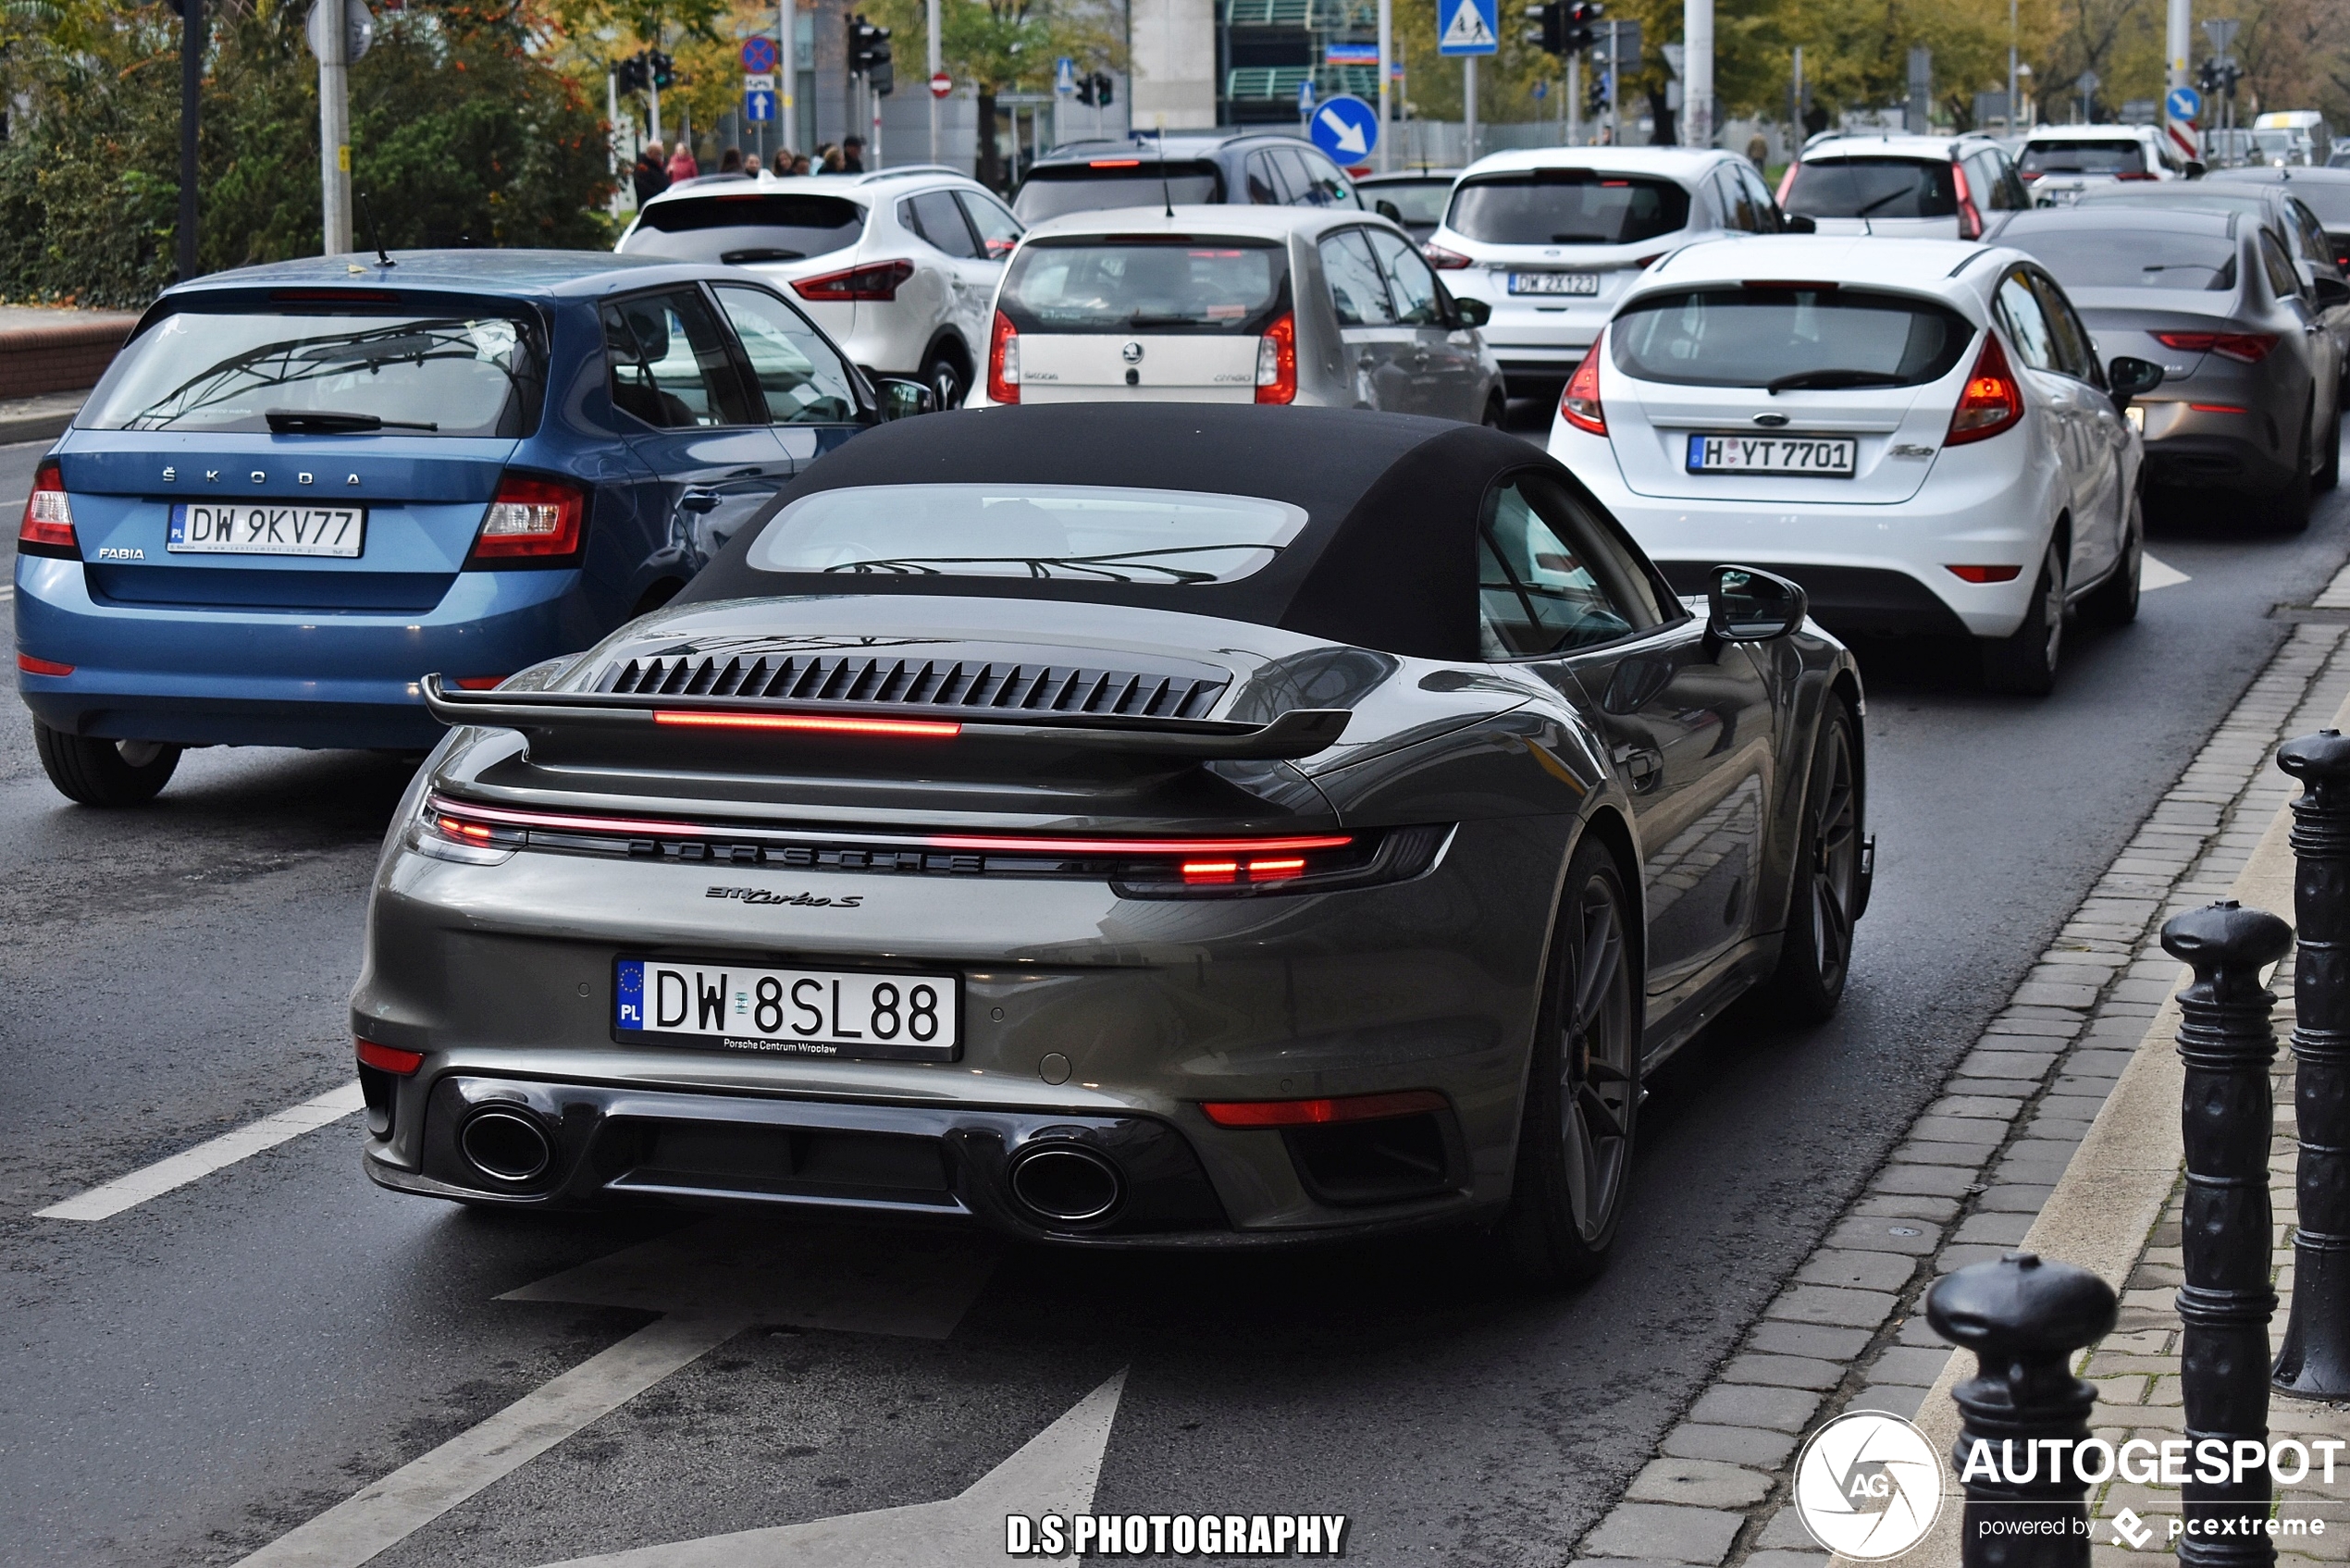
point(1572, 110)
point(1386, 52)
point(1697, 73)
point(332, 43)
point(936, 59)
point(787, 71)
point(1468, 100)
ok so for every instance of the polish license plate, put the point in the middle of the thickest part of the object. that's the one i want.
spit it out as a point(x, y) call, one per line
point(1822, 457)
point(836, 1013)
point(260, 529)
point(1554, 283)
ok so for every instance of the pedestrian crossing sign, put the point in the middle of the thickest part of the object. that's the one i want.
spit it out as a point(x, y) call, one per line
point(1468, 27)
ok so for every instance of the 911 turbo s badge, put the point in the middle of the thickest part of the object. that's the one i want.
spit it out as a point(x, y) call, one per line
point(769, 895)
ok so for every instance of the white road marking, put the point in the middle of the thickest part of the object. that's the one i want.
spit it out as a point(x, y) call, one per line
point(128, 1192)
point(1054, 1472)
point(417, 1493)
point(2153, 574)
point(713, 1279)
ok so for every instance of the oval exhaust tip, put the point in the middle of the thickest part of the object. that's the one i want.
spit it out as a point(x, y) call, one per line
point(507, 1145)
point(1067, 1182)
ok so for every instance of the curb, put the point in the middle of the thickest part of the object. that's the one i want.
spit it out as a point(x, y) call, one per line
point(39, 419)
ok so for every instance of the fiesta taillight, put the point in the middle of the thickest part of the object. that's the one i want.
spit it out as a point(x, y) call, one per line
point(920, 729)
point(1003, 360)
point(47, 528)
point(1581, 404)
point(1276, 361)
point(1985, 574)
point(875, 282)
point(1321, 1113)
point(1991, 403)
point(390, 1059)
point(533, 521)
point(2245, 348)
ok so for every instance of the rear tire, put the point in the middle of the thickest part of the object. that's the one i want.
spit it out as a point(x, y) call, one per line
point(1494, 412)
point(2330, 453)
point(2115, 601)
point(1815, 956)
point(2288, 509)
point(946, 381)
point(1582, 1085)
point(103, 772)
point(2026, 663)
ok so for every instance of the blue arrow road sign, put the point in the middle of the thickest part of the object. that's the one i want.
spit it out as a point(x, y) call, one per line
point(1306, 96)
point(1346, 128)
point(2185, 103)
point(759, 104)
point(1468, 27)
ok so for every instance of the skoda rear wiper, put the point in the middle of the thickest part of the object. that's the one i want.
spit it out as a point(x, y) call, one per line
point(318, 422)
point(1816, 379)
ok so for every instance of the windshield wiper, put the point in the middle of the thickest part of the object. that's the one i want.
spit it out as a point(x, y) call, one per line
point(1162, 318)
point(1817, 379)
point(314, 421)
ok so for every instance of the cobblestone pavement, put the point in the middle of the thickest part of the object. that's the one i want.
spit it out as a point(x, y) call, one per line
point(1849, 1332)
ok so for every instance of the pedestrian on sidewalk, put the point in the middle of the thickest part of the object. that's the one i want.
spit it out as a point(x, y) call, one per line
point(650, 176)
point(827, 158)
point(682, 165)
point(731, 161)
point(1758, 151)
point(852, 155)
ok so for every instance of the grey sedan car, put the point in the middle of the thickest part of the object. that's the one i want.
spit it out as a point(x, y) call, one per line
point(2250, 395)
point(1120, 827)
point(1330, 307)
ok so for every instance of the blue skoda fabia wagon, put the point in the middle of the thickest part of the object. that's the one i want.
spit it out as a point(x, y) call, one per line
point(302, 487)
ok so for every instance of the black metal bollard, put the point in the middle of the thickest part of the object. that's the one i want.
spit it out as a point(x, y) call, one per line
point(2023, 1318)
point(2315, 1363)
point(2226, 1303)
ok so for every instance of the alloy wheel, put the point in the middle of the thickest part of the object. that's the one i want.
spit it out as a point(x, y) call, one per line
point(1596, 1082)
point(1836, 859)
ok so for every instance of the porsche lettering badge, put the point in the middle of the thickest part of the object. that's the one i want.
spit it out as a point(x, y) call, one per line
point(769, 895)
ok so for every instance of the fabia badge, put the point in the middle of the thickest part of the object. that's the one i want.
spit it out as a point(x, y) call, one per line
point(1868, 1486)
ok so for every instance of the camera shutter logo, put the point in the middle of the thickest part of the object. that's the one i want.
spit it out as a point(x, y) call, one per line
point(1868, 1486)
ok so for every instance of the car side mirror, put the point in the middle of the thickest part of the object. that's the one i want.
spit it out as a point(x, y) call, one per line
point(902, 398)
point(2131, 378)
point(1798, 223)
point(1472, 312)
point(2196, 169)
point(1388, 211)
point(2330, 292)
point(1744, 605)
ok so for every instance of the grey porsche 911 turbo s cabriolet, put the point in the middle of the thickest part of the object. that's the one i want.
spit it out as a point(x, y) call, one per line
point(1123, 828)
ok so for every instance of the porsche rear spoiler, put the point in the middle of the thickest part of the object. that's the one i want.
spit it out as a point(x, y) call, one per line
point(583, 726)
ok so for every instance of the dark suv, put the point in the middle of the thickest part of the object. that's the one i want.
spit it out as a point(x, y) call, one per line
point(1207, 167)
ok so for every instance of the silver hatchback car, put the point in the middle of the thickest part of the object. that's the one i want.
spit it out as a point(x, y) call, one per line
point(1328, 307)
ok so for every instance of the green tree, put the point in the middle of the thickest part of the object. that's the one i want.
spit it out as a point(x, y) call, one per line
point(1000, 46)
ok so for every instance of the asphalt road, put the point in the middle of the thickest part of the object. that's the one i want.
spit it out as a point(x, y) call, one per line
point(186, 1381)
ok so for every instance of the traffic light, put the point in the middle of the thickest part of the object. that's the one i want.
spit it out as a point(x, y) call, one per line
point(869, 55)
point(1563, 27)
point(663, 69)
point(1096, 91)
point(1581, 15)
point(629, 76)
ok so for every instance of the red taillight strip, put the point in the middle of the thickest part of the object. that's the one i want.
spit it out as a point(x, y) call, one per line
point(389, 1058)
point(1321, 1113)
point(562, 822)
point(927, 729)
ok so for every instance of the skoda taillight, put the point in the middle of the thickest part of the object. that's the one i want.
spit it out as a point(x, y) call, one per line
point(535, 521)
point(47, 528)
point(1276, 361)
point(1003, 360)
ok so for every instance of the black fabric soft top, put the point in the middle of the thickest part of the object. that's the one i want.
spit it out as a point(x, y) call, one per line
point(1387, 558)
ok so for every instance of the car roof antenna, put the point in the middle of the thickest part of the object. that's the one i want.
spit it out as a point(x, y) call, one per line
point(383, 257)
point(1166, 192)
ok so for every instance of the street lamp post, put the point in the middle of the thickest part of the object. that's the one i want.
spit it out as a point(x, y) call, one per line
point(333, 42)
point(191, 91)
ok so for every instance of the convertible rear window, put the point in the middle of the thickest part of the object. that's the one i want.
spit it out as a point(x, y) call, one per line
point(1568, 206)
point(1035, 532)
point(1799, 336)
point(1115, 182)
point(2132, 258)
point(749, 226)
point(325, 373)
point(2069, 156)
point(1144, 283)
point(1873, 187)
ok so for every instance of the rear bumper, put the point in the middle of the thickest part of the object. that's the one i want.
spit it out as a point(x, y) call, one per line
point(1866, 600)
point(317, 678)
point(2189, 447)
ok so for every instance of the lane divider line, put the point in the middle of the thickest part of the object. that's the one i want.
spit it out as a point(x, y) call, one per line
point(2153, 574)
point(128, 1192)
point(382, 1514)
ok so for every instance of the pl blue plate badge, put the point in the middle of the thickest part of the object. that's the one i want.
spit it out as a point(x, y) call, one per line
point(1346, 127)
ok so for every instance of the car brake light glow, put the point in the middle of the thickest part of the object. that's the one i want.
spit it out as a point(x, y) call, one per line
point(478, 683)
point(2249, 348)
point(32, 666)
point(533, 521)
point(390, 1059)
point(47, 528)
point(2217, 408)
point(2142, 174)
point(1969, 218)
point(1787, 183)
point(876, 281)
point(1579, 405)
point(927, 729)
point(1986, 574)
point(1442, 259)
point(1991, 403)
point(1003, 362)
point(1644, 263)
point(1321, 1113)
point(1276, 361)
point(1199, 872)
point(1114, 163)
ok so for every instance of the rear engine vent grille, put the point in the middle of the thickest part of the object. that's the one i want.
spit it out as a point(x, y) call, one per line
point(960, 685)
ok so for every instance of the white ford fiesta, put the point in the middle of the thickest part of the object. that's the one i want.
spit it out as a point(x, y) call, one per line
point(1918, 431)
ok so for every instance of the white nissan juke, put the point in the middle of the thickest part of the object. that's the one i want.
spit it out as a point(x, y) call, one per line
point(1918, 431)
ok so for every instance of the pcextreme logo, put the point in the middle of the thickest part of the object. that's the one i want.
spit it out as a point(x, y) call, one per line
point(1868, 1486)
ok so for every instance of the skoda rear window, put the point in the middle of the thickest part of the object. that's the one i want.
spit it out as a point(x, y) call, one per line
point(1145, 284)
point(2060, 157)
point(1115, 182)
point(1812, 338)
point(2132, 258)
point(736, 229)
point(325, 373)
point(1872, 187)
point(1033, 532)
point(1568, 206)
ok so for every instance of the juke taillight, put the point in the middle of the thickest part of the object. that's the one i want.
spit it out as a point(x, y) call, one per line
point(533, 521)
point(47, 528)
point(875, 282)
